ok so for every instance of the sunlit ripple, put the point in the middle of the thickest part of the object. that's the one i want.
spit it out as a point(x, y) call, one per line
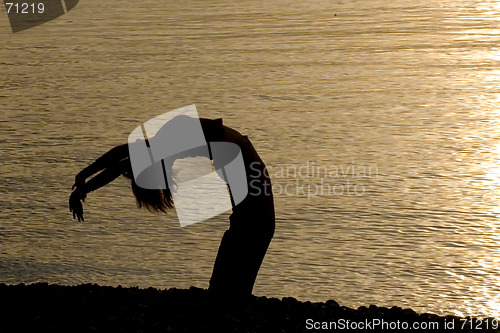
point(490, 9)
point(488, 257)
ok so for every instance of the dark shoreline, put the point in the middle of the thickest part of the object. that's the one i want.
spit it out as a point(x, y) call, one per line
point(92, 308)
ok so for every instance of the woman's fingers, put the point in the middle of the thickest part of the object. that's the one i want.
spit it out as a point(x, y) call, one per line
point(78, 213)
point(75, 206)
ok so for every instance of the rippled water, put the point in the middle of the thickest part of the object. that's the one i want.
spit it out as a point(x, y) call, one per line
point(405, 94)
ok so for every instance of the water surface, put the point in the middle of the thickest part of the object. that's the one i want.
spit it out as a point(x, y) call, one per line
point(405, 93)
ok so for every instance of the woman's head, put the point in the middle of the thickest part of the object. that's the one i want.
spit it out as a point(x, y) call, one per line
point(155, 200)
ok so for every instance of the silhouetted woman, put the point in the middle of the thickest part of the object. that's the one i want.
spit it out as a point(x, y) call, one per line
point(252, 221)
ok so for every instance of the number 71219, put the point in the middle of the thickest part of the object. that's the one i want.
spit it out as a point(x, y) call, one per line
point(25, 8)
point(478, 324)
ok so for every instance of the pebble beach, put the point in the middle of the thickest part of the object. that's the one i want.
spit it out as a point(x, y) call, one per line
point(92, 308)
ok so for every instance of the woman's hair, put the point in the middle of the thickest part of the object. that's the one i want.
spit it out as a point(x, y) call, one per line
point(157, 201)
point(153, 200)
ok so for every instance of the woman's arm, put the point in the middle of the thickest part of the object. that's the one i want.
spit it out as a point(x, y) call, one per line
point(114, 156)
point(115, 162)
point(107, 176)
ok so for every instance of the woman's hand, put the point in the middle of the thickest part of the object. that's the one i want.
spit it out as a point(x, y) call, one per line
point(75, 203)
point(79, 181)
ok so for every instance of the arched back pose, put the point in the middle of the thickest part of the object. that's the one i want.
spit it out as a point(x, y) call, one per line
point(252, 221)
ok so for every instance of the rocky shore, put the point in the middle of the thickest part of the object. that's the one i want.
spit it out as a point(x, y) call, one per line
point(93, 308)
